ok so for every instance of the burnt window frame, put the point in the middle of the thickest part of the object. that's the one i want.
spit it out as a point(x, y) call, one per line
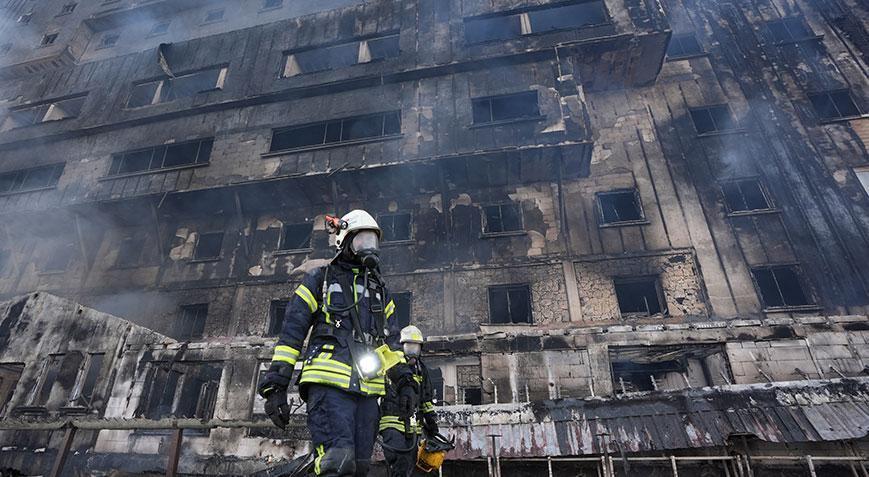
point(19, 178)
point(158, 29)
point(48, 108)
point(196, 329)
point(476, 102)
point(507, 288)
point(805, 288)
point(48, 39)
point(157, 97)
point(360, 42)
point(659, 293)
point(210, 258)
point(283, 237)
point(275, 323)
point(382, 220)
point(601, 217)
point(678, 38)
point(137, 243)
point(526, 25)
point(829, 95)
point(787, 24)
point(182, 372)
point(462, 386)
point(326, 144)
point(771, 207)
point(208, 20)
point(484, 220)
point(105, 44)
point(88, 373)
point(735, 127)
point(203, 158)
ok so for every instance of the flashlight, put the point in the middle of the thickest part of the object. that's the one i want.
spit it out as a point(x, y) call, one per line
point(369, 365)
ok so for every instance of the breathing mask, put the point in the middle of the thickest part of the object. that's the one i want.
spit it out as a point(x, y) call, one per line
point(366, 248)
point(412, 350)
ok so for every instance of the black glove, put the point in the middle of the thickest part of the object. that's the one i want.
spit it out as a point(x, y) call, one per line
point(408, 400)
point(273, 388)
point(430, 424)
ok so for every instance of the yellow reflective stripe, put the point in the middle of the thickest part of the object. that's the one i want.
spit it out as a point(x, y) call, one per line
point(393, 422)
point(286, 354)
point(320, 453)
point(307, 296)
point(326, 369)
point(332, 362)
point(319, 377)
point(390, 308)
point(427, 407)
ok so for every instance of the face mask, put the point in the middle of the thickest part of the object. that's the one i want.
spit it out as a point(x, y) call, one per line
point(366, 248)
point(412, 349)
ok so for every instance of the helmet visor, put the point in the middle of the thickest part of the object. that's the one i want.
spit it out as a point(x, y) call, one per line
point(365, 240)
point(412, 349)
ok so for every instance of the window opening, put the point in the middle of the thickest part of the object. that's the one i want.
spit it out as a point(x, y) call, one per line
point(510, 304)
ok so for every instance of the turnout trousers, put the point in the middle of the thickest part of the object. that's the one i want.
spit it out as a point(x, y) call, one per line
point(343, 428)
point(401, 459)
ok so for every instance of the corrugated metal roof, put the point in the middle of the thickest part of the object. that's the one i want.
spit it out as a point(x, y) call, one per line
point(792, 412)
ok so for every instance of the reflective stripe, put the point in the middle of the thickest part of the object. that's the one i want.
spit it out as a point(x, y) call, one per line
point(320, 453)
point(376, 386)
point(321, 377)
point(307, 296)
point(394, 422)
point(286, 354)
point(427, 407)
point(390, 308)
point(330, 366)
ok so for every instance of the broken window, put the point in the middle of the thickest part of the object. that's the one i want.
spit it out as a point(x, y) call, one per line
point(683, 45)
point(59, 257)
point(25, 19)
point(780, 286)
point(162, 157)
point(862, 176)
point(68, 8)
point(788, 30)
point(83, 393)
point(159, 28)
point(130, 251)
point(10, 373)
point(59, 374)
point(395, 227)
point(296, 236)
point(745, 195)
point(30, 179)
point(622, 206)
point(48, 39)
point(181, 86)
point(267, 4)
point(191, 322)
point(208, 246)
point(665, 368)
point(507, 107)
point(502, 218)
point(639, 296)
point(44, 112)
point(402, 308)
point(337, 131)
point(436, 377)
point(567, 16)
point(834, 105)
point(181, 390)
point(506, 26)
point(470, 390)
point(109, 40)
point(277, 311)
point(215, 15)
point(342, 55)
point(510, 304)
point(46, 379)
point(713, 119)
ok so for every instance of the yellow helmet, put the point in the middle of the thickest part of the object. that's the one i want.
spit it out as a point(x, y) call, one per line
point(411, 334)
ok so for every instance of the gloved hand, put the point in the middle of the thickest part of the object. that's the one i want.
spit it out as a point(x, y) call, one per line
point(273, 388)
point(430, 424)
point(408, 400)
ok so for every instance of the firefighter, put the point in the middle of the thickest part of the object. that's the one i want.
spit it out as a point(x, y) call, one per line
point(400, 435)
point(346, 308)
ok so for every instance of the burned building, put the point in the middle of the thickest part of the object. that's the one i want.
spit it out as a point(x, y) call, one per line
point(636, 232)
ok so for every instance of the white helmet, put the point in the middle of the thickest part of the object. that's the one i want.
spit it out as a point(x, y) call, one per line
point(411, 334)
point(353, 222)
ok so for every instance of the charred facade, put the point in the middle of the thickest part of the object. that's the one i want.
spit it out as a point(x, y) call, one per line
point(592, 208)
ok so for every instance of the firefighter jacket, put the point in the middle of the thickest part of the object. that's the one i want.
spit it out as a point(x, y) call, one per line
point(389, 407)
point(328, 359)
